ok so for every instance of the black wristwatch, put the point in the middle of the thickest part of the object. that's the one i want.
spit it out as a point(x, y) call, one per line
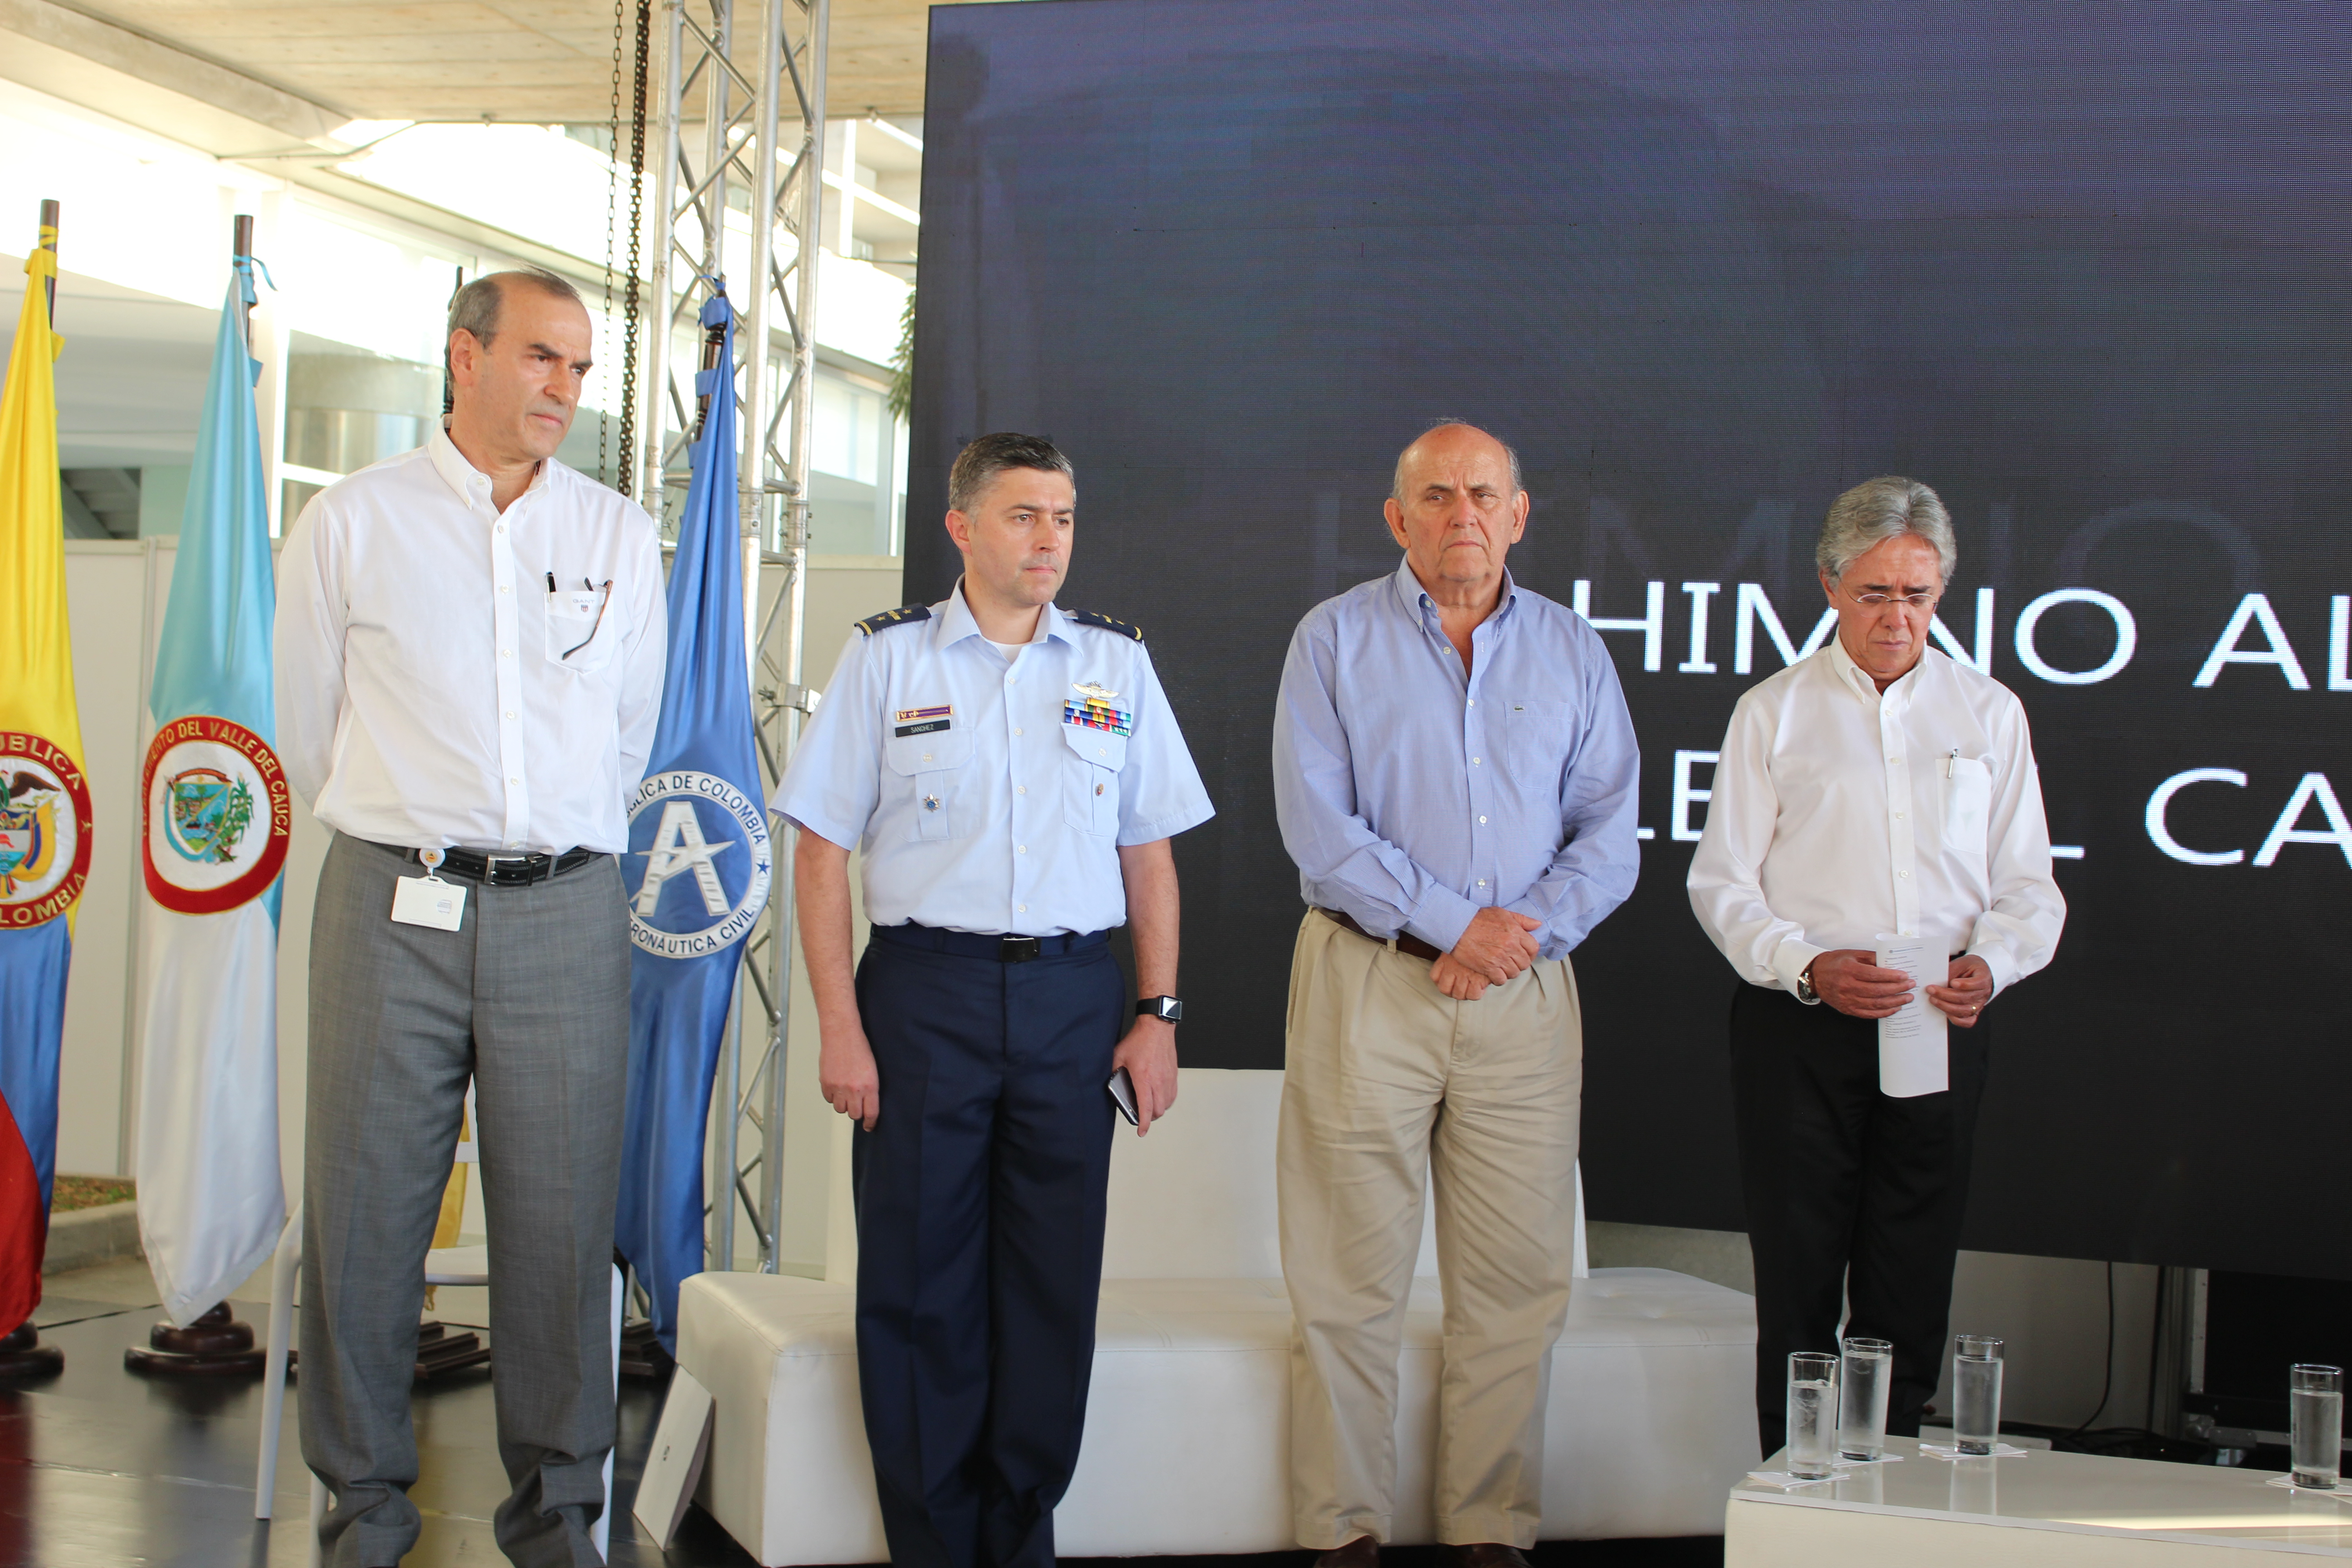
point(1166, 1007)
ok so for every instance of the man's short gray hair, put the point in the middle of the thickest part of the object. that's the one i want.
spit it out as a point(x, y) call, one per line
point(983, 459)
point(1877, 511)
point(474, 308)
point(1396, 480)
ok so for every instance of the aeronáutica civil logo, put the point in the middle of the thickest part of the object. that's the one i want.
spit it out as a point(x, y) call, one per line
point(697, 867)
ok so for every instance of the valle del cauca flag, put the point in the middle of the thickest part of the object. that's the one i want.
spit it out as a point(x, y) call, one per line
point(216, 819)
point(45, 818)
point(697, 872)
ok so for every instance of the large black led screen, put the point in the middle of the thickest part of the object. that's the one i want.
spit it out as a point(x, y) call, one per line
point(2087, 269)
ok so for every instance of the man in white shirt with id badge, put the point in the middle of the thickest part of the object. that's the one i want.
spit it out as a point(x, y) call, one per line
point(1875, 803)
point(469, 648)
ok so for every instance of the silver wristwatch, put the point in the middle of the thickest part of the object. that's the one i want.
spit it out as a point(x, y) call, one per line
point(1805, 991)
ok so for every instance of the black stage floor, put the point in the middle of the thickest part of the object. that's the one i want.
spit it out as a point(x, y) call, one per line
point(102, 1468)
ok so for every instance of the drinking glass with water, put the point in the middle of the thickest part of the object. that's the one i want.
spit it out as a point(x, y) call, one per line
point(1812, 1415)
point(1976, 1394)
point(2315, 1425)
point(1866, 1375)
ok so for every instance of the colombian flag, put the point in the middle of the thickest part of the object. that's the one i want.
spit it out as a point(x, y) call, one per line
point(44, 821)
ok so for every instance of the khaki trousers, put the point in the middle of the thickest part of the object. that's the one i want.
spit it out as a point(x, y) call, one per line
point(1389, 1079)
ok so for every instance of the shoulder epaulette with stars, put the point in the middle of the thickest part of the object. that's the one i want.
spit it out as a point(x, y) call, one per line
point(1108, 623)
point(904, 615)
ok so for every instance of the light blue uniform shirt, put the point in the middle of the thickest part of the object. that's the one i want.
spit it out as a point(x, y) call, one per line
point(1411, 796)
point(992, 796)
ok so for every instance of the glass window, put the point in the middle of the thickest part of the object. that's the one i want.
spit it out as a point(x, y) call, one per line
point(855, 495)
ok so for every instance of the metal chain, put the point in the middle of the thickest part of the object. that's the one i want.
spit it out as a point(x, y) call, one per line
point(611, 204)
point(629, 356)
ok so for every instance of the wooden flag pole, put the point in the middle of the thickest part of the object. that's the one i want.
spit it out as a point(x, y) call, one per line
point(49, 242)
point(241, 245)
point(22, 1355)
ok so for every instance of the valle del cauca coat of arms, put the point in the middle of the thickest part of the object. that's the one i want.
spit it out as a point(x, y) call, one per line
point(210, 813)
point(29, 829)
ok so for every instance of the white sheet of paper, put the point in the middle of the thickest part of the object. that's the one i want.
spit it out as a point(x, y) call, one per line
point(1913, 1058)
point(674, 1464)
point(428, 902)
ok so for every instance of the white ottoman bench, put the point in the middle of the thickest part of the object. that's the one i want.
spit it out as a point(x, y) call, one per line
point(1188, 1425)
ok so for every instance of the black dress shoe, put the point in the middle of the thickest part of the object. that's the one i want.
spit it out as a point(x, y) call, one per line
point(1361, 1553)
point(1483, 1554)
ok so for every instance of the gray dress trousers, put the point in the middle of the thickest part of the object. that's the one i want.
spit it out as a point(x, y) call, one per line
point(531, 1000)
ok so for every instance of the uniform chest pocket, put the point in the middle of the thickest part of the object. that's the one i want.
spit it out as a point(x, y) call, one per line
point(1536, 740)
point(1968, 806)
point(934, 766)
point(582, 629)
point(1096, 757)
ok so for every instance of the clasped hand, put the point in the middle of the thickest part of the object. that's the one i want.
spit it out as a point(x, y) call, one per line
point(1850, 980)
point(1498, 946)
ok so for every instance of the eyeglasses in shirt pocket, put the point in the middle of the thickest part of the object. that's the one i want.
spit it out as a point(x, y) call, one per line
point(580, 627)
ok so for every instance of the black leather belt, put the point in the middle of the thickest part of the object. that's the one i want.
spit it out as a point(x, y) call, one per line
point(979, 945)
point(505, 870)
point(1405, 942)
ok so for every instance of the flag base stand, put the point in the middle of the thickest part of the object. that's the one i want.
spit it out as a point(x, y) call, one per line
point(22, 1355)
point(439, 1351)
point(642, 1356)
point(214, 1345)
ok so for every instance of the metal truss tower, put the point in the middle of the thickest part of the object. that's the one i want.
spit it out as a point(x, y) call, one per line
point(740, 142)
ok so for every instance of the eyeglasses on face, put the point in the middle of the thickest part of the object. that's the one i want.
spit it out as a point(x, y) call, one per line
point(1923, 600)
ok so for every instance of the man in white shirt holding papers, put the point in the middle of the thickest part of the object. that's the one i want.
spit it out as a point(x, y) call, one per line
point(1877, 798)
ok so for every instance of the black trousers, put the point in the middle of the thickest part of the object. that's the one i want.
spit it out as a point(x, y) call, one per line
point(980, 1235)
point(1849, 1193)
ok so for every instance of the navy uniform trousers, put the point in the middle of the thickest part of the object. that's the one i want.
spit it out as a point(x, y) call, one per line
point(979, 1234)
point(1850, 1192)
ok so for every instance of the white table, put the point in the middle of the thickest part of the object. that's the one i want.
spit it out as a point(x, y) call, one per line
point(2076, 1509)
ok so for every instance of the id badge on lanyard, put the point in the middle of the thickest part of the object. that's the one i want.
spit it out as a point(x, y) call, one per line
point(427, 900)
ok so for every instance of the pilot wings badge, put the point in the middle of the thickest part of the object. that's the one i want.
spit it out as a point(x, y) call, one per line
point(1101, 693)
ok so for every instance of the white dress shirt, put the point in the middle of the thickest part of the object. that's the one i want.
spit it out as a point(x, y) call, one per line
point(1838, 813)
point(433, 690)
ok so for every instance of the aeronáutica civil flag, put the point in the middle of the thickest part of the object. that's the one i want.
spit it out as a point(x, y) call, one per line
point(44, 824)
point(212, 1198)
point(696, 871)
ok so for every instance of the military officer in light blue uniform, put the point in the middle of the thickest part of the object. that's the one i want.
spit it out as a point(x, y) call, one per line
point(1011, 775)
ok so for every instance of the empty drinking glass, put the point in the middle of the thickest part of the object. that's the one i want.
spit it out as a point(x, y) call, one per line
point(2315, 1425)
point(1976, 1394)
point(1865, 1376)
point(1812, 1415)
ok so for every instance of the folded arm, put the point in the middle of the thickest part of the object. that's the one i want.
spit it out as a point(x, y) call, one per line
point(1379, 885)
point(1593, 870)
point(1726, 881)
point(2019, 933)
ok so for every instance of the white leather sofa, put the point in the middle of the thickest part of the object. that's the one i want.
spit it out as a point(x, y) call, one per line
point(1651, 1422)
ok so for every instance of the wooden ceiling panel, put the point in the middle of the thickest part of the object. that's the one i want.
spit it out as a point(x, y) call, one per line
point(536, 60)
point(255, 27)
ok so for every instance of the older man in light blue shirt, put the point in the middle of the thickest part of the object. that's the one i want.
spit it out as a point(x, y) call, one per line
point(1455, 774)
